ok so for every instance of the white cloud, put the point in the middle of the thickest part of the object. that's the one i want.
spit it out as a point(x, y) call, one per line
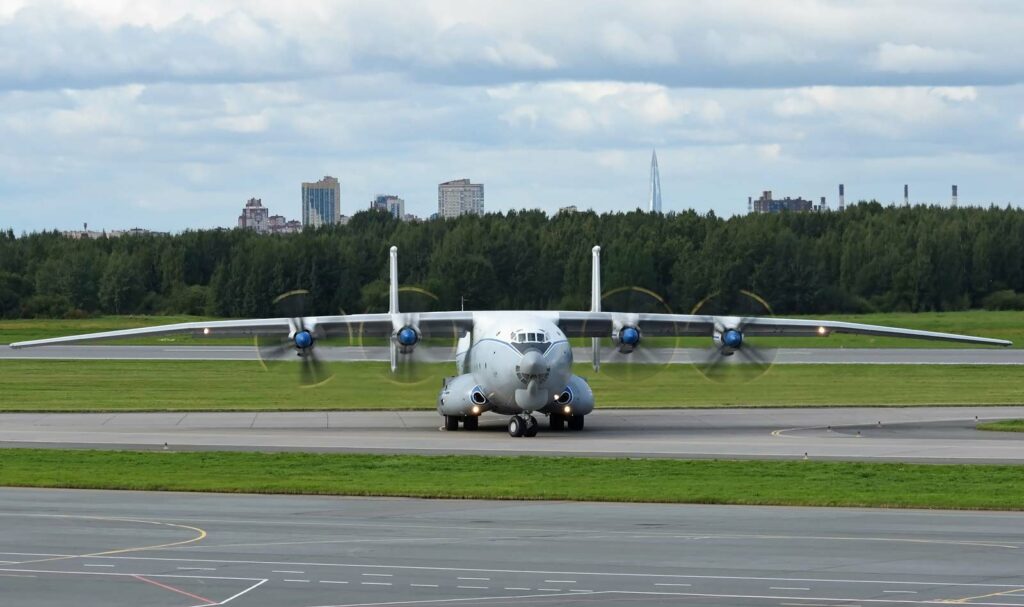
point(204, 103)
point(908, 58)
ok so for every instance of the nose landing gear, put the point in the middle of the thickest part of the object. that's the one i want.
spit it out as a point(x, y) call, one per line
point(522, 425)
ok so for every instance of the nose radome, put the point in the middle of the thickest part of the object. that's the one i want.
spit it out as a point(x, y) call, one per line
point(533, 364)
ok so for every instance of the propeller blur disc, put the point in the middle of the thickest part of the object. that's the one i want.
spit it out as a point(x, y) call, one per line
point(750, 360)
point(651, 355)
point(274, 351)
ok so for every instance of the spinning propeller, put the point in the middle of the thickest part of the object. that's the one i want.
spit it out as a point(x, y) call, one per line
point(413, 354)
point(276, 350)
point(735, 355)
point(628, 354)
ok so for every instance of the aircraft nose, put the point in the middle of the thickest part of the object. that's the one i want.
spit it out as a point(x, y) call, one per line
point(533, 364)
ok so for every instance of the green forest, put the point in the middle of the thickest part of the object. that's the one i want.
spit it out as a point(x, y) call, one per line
point(869, 258)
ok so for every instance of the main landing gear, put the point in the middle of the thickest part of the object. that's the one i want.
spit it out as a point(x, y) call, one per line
point(469, 422)
point(522, 425)
point(559, 421)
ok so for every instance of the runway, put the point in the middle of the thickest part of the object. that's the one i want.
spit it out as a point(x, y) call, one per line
point(784, 356)
point(113, 549)
point(907, 434)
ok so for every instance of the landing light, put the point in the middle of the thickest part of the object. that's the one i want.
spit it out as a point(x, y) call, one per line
point(206, 331)
point(821, 330)
point(567, 409)
point(476, 410)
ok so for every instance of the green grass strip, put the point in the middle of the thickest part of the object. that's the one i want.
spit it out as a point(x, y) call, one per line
point(1009, 425)
point(96, 385)
point(792, 483)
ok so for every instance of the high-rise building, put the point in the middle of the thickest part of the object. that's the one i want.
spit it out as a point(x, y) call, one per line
point(956, 196)
point(393, 205)
point(255, 216)
point(767, 204)
point(460, 197)
point(842, 197)
point(654, 192)
point(321, 202)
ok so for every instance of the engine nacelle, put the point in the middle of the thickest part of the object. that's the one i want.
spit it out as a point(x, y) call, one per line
point(626, 339)
point(728, 341)
point(576, 399)
point(462, 396)
point(407, 337)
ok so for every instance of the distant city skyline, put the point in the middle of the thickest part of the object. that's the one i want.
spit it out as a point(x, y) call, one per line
point(168, 115)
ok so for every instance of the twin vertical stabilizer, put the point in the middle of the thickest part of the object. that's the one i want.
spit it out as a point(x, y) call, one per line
point(595, 302)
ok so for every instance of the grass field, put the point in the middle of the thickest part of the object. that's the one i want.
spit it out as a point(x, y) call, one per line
point(801, 483)
point(53, 385)
point(1003, 325)
point(1010, 425)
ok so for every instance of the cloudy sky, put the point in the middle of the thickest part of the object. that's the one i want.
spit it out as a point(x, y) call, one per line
point(170, 115)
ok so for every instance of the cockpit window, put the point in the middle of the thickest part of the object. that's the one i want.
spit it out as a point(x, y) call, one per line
point(529, 337)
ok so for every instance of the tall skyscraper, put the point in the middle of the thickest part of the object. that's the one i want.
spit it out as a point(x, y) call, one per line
point(460, 197)
point(654, 199)
point(390, 204)
point(321, 202)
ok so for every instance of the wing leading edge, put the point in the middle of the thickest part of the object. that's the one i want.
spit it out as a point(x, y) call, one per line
point(602, 324)
point(574, 324)
point(429, 324)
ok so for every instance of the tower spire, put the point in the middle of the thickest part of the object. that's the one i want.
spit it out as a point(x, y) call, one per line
point(654, 198)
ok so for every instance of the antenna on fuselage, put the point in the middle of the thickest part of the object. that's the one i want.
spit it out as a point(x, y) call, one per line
point(595, 301)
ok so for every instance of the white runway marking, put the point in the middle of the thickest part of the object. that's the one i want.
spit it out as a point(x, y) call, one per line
point(783, 588)
point(424, 585)
point(332, 582)
point(298, 581)
point(661, 576)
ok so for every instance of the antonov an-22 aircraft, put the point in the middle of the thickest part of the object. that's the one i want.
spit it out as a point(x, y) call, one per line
point(518, 363)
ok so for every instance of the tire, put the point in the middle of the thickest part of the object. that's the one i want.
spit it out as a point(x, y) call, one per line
point(576, 422)
point(531, 429)
point(556, 421)
point(470, 422)
point(451, 423)
point(515, 426)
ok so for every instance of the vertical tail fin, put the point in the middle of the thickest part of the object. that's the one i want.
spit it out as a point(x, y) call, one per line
point(595, 302)
point(393, 286)
point(393, 303)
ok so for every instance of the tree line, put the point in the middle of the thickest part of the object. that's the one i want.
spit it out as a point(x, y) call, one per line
point(868, 258)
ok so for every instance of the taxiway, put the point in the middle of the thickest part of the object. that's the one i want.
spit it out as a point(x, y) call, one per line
point(112, 549)
point(910, 434)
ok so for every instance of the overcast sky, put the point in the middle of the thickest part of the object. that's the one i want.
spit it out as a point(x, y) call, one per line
point(169, 115)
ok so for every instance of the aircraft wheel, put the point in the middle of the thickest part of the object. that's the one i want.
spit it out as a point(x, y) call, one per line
point(576, 422)
point(451, 422)
point(470, 422)
point(516, 426)
point(556, 421)
point(531, 427)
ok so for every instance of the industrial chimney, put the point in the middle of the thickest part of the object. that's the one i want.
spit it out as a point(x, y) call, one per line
point(954, 196)
point(906, 195)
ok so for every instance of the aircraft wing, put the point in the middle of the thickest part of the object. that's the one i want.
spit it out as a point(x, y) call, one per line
point(429, 324)
point(603, 324)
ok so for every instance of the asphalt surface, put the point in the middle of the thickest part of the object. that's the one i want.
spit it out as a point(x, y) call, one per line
point(912, 434)
point(113, 549)
point(836, 356)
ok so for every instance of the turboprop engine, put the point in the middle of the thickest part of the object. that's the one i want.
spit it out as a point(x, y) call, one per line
point(462, 396)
